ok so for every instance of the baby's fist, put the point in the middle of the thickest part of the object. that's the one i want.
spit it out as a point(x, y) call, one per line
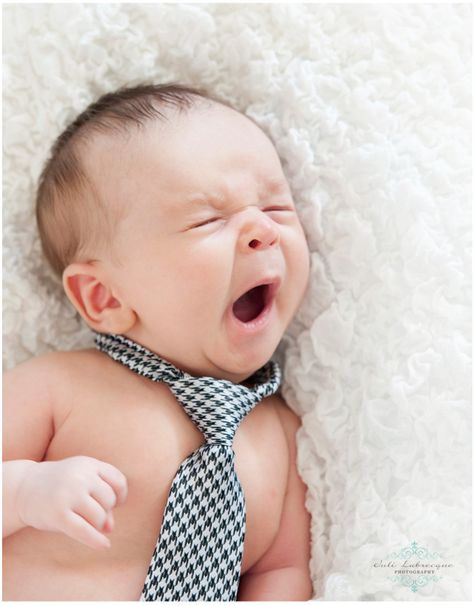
point(74, 496)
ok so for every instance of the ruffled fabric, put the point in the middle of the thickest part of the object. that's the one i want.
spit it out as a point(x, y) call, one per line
point(370, 110)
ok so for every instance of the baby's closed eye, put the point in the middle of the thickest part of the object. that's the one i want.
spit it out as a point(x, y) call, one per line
point(206, 222)
point(278, 208)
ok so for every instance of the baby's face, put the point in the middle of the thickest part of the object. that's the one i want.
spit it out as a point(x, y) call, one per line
point(209, 216)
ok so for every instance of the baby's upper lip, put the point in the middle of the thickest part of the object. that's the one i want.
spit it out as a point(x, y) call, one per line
point(273, 281)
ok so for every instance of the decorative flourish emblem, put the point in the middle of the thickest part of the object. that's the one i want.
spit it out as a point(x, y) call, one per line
point(415, 550)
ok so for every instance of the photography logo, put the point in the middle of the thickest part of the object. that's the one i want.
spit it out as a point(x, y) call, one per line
point(413, 567)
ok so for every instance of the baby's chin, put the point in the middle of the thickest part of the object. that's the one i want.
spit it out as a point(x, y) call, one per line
point(240, 366)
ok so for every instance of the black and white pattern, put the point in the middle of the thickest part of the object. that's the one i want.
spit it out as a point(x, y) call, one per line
point(199, 550)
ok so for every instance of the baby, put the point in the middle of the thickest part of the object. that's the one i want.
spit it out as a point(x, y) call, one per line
point(168, 216)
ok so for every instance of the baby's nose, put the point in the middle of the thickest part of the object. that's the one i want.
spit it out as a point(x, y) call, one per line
point(258, 232)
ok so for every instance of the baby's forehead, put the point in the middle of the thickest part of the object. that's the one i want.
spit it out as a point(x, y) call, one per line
point(204, 124)
point(202, 134)
point(203, 155)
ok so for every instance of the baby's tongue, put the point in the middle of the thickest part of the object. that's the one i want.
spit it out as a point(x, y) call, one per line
point(249, 305)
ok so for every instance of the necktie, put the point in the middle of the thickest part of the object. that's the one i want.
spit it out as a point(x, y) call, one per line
point(199, 549)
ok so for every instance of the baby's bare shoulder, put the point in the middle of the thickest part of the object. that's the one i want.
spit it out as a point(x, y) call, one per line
point(38, 376)
point(91, 375)
point(289, 420)
point(66, 378)
point(31, 393)
point(287, 416)
point(48, 374)
point(272, 424)
point(55, 363)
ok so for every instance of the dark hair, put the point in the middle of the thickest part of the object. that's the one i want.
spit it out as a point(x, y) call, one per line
point(69, 213)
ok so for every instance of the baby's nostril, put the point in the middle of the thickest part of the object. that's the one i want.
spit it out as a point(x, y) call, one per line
point(253, 243)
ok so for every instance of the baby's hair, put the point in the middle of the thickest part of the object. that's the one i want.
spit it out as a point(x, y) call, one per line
point(70, 215)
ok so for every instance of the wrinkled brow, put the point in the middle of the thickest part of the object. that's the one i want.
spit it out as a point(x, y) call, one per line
point(277, 186)
point(273, 186)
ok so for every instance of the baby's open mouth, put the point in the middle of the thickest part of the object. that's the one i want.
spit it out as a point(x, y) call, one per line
point(251, 304)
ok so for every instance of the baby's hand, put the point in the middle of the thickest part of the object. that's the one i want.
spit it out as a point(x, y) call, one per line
point(74, 496)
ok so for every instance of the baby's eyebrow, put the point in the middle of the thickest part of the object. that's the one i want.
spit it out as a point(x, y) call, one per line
point(213, 199)
point(218, 200)
point(276, 186)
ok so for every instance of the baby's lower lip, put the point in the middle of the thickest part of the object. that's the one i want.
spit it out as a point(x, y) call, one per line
point(258, 323)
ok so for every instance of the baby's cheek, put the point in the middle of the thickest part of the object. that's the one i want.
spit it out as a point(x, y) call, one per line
point(305, 263)
point(201, 279)
point(299, 251)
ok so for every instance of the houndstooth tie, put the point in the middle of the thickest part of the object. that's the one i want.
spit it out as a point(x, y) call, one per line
point(199, 550)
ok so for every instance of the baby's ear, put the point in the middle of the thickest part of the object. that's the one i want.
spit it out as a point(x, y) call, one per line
point(88, 290)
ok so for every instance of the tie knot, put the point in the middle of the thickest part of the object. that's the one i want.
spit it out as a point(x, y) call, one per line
point(216, 406)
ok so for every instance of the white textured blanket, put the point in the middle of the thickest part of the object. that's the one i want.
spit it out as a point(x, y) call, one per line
point(370, 109)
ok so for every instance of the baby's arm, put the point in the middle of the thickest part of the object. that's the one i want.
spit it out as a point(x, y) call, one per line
point(75, 495)
point(27, 430)
point(282, 574)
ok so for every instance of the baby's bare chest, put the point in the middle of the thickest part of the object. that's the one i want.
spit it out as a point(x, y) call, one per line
point(146, 434)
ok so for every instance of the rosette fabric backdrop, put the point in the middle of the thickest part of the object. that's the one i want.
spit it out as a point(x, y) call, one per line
point(370, 110)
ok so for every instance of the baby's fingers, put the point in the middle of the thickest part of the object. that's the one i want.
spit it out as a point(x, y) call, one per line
point(109, 523)
point(104, 494)
point(92, 512)
point(115, 479)
point(79, 529)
